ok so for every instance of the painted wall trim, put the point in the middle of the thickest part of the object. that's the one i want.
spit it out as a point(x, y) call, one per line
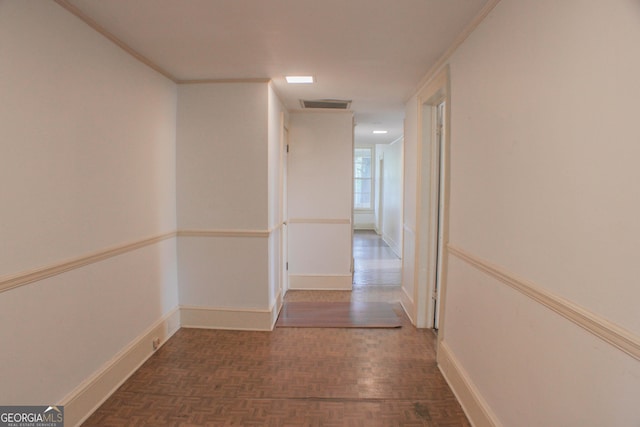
point(474, 406)
point(122, 45)
point(275, 309)
point(214, 81)
point(466, 32)
point(365, 226)
point(224, 233)
point(319, 221)
point(241, 319)
point(38, 274)
point(602, 328)
point(408, 228)
point(393, 245)
point(93, 391)
point(74, 10)
point(321, 282)
point(406, 301)
point(277, 227)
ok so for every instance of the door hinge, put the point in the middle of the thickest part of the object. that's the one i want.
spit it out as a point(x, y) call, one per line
point(287, 148)
point(287, 266)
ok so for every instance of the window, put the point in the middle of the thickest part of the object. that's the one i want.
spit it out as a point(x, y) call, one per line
point(362, 179)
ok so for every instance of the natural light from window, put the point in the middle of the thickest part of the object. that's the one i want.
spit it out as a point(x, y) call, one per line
point(362, 179)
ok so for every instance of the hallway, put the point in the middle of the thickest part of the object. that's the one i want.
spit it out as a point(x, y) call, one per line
point(288, 377)
point(377, 275)
point(296, 376)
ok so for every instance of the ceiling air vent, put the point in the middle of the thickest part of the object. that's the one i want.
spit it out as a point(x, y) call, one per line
point(336, 104)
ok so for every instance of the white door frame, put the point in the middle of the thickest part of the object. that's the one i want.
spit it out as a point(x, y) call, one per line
point(284, 247)
point(429, 206)
point(438, 208)
point(380, 201)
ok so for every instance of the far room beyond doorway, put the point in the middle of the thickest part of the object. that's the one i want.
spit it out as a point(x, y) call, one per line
point(377, 269)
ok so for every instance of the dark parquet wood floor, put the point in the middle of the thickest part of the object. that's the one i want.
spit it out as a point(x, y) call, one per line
point(289, 377)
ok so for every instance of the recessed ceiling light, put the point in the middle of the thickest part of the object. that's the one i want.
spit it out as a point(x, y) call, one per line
point(379, 131)
point(299, 79)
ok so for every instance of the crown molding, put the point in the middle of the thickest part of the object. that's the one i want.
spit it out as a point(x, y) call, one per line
point(213, 81)
point(471, 26)
point(100, 29)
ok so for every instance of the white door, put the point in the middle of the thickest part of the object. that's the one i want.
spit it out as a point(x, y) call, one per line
point(440, 111)
point(380, 174)
point(284, 251)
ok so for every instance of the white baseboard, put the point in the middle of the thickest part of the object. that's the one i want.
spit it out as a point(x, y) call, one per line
point(275, 309)
point(393, 245)
point(408, 306)
point(240, 319)
point(92, 392)
point(477, 410)
point(365, 226)
point(336, 282)
point(95, 390)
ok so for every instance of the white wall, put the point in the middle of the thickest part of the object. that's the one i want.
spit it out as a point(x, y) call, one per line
point(88, 163)
point(223, 190)
point(569, 179)
point(544, 146)
point(320, 199)
point(392, 190)
point(222, 156)
point(364, 220)
point(409, 237)
point(278, 117)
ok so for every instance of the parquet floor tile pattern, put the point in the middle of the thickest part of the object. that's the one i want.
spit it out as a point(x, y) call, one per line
point(289, 377)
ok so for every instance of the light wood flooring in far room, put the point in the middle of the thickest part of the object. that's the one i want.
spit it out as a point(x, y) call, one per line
point(295, 376)
point(377, 268)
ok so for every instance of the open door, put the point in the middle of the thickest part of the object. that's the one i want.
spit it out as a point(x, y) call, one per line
point(432, 215)
point(284, 250)
point(438, 209)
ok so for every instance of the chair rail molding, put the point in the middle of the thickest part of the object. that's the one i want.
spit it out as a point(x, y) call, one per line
point(600, 327)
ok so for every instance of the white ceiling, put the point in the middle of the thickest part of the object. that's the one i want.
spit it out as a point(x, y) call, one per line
point(373, 52)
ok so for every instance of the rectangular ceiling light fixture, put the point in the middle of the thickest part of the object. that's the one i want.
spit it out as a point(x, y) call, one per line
point(299, 79)
point(380, 131)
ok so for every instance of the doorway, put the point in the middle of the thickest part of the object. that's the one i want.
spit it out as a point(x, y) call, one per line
point(439, 209)
point(432, 224)
point(377, 241)
point(380, 196)
point(376, 265)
